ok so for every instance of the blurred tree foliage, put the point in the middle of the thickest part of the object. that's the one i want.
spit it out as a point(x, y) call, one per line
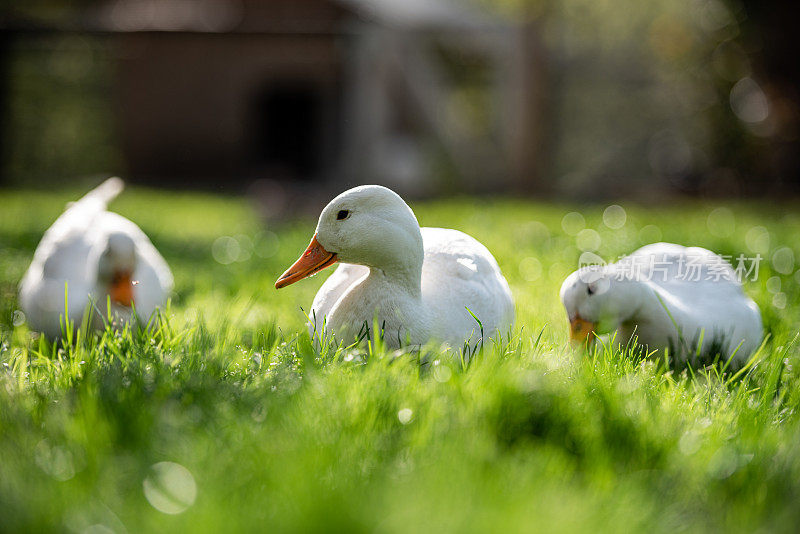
point(59, 120)
point(56, 114)
point(664, 94)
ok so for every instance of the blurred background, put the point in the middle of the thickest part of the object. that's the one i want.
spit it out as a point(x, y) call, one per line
point(576, 99)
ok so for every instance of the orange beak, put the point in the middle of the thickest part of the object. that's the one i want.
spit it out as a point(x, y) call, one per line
point(121, 290)
point(313, 260)
point(580, 329)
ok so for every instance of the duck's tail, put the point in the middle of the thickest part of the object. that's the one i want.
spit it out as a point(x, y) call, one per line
point(105, 192)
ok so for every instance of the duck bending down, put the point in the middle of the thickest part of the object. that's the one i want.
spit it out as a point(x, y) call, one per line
point(417, 282)
point(96, 256)
point(670, 296)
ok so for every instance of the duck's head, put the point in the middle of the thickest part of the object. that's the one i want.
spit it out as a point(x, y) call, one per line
point(115, 268)
point(368, 225)
point(594, 296)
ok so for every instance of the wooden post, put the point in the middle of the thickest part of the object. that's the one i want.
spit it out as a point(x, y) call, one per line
point(527, 115)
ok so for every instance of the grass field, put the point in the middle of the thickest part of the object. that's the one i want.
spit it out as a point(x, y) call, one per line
point(222, 417)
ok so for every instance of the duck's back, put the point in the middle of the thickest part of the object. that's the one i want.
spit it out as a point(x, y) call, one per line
point(668, 264)
point(458, 272)
point(692, 274)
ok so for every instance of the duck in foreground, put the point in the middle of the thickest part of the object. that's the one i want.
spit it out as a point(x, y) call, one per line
point(98, 257)
point(670, 296)
point(419, 283)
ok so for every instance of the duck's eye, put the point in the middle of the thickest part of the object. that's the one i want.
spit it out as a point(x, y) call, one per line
point(590, 290)
point(343, 214)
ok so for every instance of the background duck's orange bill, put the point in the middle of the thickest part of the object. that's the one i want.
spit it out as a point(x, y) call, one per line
point(313, 260)
point(121, 290)
point(579, 329)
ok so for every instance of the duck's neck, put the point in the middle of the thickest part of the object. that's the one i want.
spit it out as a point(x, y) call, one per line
point(628, 299)
point(398, 262)
point(392, 293)
point(647, 304)
point(405, 276)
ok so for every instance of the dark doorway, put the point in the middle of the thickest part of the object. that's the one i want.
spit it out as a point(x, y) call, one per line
point(287, 136)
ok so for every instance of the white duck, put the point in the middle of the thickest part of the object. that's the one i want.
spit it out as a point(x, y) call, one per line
point(417, 282)
point(99, 256)
point(700, 290)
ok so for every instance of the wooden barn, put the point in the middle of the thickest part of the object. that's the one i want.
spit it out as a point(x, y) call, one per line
point(409, 93)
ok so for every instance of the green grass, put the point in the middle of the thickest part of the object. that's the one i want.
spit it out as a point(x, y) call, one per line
point(532, 435)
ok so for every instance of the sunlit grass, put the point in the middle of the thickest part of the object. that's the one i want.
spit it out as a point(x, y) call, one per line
point(222, 415)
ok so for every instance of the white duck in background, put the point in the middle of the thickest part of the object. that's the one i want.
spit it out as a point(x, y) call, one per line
point(99, 256)
point(417, 282)
point(699, 288)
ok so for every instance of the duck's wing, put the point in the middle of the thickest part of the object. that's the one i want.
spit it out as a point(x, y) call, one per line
point(719, 313)
point(57, 281)
point(459, 273)
point(44, 301)
point(345, 275)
